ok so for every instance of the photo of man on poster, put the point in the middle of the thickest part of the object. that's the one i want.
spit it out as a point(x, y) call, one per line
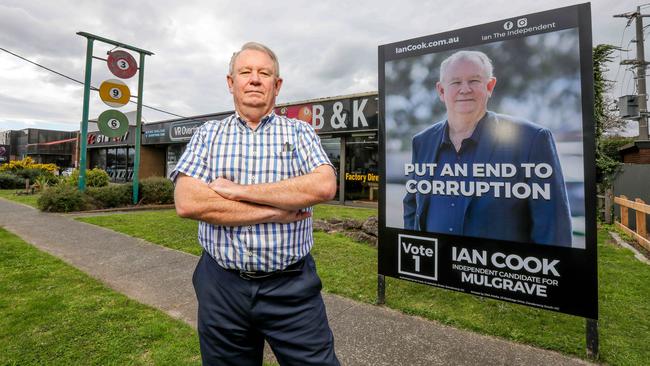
point(483, 174)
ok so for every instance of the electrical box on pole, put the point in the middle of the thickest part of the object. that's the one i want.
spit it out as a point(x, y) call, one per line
point(628, 106)
point(641, 65)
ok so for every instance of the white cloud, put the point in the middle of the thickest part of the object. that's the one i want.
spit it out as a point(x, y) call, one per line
point(325, 48)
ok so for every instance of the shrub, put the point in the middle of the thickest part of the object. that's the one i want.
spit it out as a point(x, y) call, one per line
point(37, 175)
point(67, 181)
point(113, 195)
point(97, 178)
point(94, 178)
point(27, 163)
point(51, 179)
point(30, 173)
point(156, 190)
point(41, 183)
point(11, 181)
point(61, 198)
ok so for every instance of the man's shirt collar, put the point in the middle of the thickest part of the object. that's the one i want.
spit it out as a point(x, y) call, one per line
point(475, 137)
point(264, 123)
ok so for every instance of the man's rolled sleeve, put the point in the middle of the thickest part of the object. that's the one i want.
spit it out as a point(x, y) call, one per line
point(309, 149)
point(194, 161)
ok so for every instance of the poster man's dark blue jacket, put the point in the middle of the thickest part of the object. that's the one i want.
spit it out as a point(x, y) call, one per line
point(504, 139)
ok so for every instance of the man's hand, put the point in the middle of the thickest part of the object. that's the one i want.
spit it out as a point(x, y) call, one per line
point(285, 217)
point(226, 189)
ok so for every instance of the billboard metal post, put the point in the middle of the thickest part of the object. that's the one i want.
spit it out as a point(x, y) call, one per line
point(381, 289)
point(592, 338)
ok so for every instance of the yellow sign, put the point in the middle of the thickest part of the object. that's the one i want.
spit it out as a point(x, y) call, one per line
point(364, 178)
point(114, 93)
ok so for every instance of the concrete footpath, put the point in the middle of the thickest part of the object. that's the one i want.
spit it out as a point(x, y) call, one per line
point(161, 277)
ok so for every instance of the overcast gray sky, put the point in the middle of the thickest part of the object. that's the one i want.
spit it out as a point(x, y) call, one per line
point(325, 48)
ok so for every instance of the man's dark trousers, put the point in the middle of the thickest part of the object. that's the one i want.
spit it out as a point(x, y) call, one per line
point(236, 315)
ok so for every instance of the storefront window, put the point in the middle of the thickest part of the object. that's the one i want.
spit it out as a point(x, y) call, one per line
point(118, 162)
point(111, 163)
point(120, 171)
point(174, 153)
point(98, 158)
point(362, 168)
point(332, 147)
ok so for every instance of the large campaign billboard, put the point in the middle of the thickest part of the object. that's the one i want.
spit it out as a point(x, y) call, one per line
point(487, 144)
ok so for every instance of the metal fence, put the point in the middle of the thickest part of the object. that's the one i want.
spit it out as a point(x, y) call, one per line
point(631, 191)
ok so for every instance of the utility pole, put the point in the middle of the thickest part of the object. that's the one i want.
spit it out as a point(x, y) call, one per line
point(641, 64)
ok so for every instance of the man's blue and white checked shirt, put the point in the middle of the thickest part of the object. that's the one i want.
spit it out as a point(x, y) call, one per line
point(278, 149)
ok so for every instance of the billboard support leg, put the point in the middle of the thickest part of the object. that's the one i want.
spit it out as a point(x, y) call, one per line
point(381, 290)
point(592, 339)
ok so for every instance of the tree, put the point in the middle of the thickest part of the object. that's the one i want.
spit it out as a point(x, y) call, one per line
point(605, 119)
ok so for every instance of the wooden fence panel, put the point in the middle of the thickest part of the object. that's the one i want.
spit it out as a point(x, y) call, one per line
point(641, 210)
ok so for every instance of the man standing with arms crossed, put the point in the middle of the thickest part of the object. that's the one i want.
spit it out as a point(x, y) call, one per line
point(250, 180)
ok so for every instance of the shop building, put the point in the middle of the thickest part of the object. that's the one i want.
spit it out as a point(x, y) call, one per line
point(347, 126)
point(43, 146)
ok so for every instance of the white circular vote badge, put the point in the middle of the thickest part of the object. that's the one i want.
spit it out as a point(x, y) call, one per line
point(114, 93)
point(112, 123)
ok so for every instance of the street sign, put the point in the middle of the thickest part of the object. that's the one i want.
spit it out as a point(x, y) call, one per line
point(122, 64)
point(112, 123)
point(115, 93)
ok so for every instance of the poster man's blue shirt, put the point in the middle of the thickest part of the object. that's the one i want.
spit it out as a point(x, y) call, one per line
point(500, 139)
point(452, 221)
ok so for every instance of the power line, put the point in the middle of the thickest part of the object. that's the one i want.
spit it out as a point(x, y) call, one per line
point(81, 82)
point(640, 64)
point(41, 66)
point(620, 56)
point(627, 83)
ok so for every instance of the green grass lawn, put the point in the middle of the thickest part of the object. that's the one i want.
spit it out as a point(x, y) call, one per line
point(349, 269)
point(53, 314)
point(28, 199)
point(165, 228)
point(334, 211)
point(160, 227)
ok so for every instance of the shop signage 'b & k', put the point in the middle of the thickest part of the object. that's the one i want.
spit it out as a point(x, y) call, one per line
point(358, 114)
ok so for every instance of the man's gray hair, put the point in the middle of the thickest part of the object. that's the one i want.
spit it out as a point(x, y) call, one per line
point(478, 57)
point(258, 47)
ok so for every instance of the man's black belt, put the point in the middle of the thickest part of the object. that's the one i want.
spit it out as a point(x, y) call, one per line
point(291, 270)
